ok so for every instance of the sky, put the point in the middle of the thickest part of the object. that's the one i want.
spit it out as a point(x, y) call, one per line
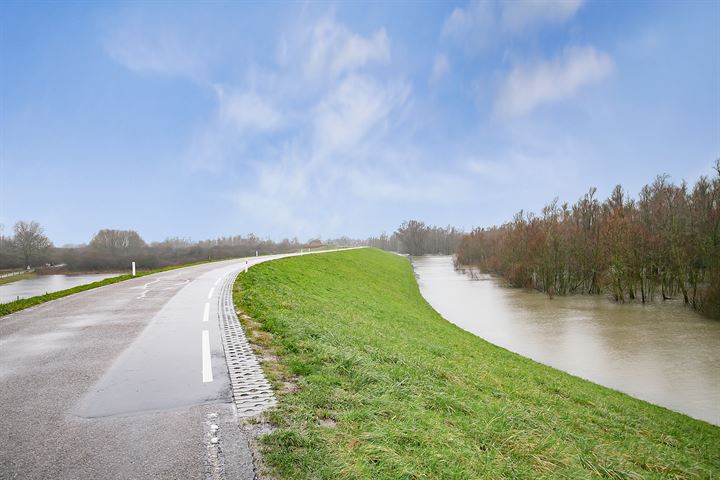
point(204, 119)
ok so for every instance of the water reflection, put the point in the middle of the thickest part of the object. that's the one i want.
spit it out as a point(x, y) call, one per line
point(46, 284)
point(663, 353)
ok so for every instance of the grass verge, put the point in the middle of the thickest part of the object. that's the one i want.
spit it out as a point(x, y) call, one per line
point(374, 384)
point(15, 278)
point(23, 303)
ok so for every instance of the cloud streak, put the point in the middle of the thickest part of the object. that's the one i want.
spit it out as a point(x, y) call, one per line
point(521, 14)
point(483, 23)
point(441, 67)
point(528, 87)
point(334, 49)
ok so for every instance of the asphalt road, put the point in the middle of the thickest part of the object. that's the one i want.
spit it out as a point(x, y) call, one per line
point(122, 382)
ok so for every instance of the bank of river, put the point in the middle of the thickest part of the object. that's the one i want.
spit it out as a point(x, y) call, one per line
point(42, 284)
point(663, 353)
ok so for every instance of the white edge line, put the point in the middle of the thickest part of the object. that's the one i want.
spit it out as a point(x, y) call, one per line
point(206, 362)
point(212, 290)
point(206, 313)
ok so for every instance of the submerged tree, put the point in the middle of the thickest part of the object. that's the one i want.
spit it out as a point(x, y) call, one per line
point(667, 243)
point(412, 235)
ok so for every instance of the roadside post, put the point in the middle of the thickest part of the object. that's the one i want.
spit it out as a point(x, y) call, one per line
point(133, 269)
point(246, 266)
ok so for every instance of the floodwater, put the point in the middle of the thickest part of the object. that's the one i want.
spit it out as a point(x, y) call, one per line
point(46, 284)
point(665, 354)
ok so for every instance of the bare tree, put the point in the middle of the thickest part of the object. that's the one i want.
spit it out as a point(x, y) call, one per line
point(117, 241)
point(30, 240)
point(413, 235)
point(667, 242)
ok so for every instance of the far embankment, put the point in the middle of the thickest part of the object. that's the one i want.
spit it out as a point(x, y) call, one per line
point(373, 383)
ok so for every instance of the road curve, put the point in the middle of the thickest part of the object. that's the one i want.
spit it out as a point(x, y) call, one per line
point(124, 381)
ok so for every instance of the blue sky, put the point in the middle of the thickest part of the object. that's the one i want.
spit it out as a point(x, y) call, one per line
point(202, 119)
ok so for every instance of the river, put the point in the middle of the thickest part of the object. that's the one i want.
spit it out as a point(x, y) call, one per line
point(665, 354)
point(46, 284)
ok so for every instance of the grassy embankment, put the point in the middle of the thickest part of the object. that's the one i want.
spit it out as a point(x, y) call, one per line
point(15, 278)
point(374, 384)
point(23, 303)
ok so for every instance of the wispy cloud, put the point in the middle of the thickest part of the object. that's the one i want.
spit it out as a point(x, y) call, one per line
point(326, 123)
point(340, 112)
point(473, 26)
point(148, 46)
point(527, 87)
point(247, 111)
point(352, 109)
point(441, 67)
point(521, 14)
point(485, 22)
point(334, 49)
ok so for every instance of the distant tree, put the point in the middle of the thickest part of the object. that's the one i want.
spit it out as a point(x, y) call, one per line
point(30, 241)
point(8, 258)
point(413, 235)
point(117, 241)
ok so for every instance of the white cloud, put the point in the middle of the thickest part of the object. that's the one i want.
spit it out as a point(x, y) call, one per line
point(529, 86)
point(159, 55)
point(148, 44)
point(472, 26)
point(347, 113)
point(333, 49)
point(247, 111)
point(409, 184)
point(241, 118)
point(483, 22)
point(318, 125)
point(441, 66)
point(520, 14)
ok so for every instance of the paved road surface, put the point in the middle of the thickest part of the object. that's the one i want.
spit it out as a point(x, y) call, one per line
point(121, 382)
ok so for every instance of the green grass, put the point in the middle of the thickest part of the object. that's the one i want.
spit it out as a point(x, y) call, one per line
point(23, 303)
point(374, 384)
point(15, 278)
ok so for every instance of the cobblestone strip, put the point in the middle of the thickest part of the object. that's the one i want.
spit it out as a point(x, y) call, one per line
point(252, 392)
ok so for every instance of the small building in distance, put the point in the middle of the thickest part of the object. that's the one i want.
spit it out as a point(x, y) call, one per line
point(314, 243)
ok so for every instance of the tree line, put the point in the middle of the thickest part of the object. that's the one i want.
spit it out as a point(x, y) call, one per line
point(111, 249)
point(664, 244)
point(416, 238)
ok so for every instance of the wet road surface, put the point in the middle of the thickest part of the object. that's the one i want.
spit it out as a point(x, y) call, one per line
point(123, 381)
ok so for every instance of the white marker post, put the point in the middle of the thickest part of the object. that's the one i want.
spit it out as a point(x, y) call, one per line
point(133, 268)
point(256, 253)
point(246, 266)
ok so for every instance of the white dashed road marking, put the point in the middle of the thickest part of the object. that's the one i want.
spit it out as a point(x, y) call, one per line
point(206, 313)
point(206, 362)
point(212, 290)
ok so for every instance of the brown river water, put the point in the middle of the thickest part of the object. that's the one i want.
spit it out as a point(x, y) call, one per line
point(663, 353)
